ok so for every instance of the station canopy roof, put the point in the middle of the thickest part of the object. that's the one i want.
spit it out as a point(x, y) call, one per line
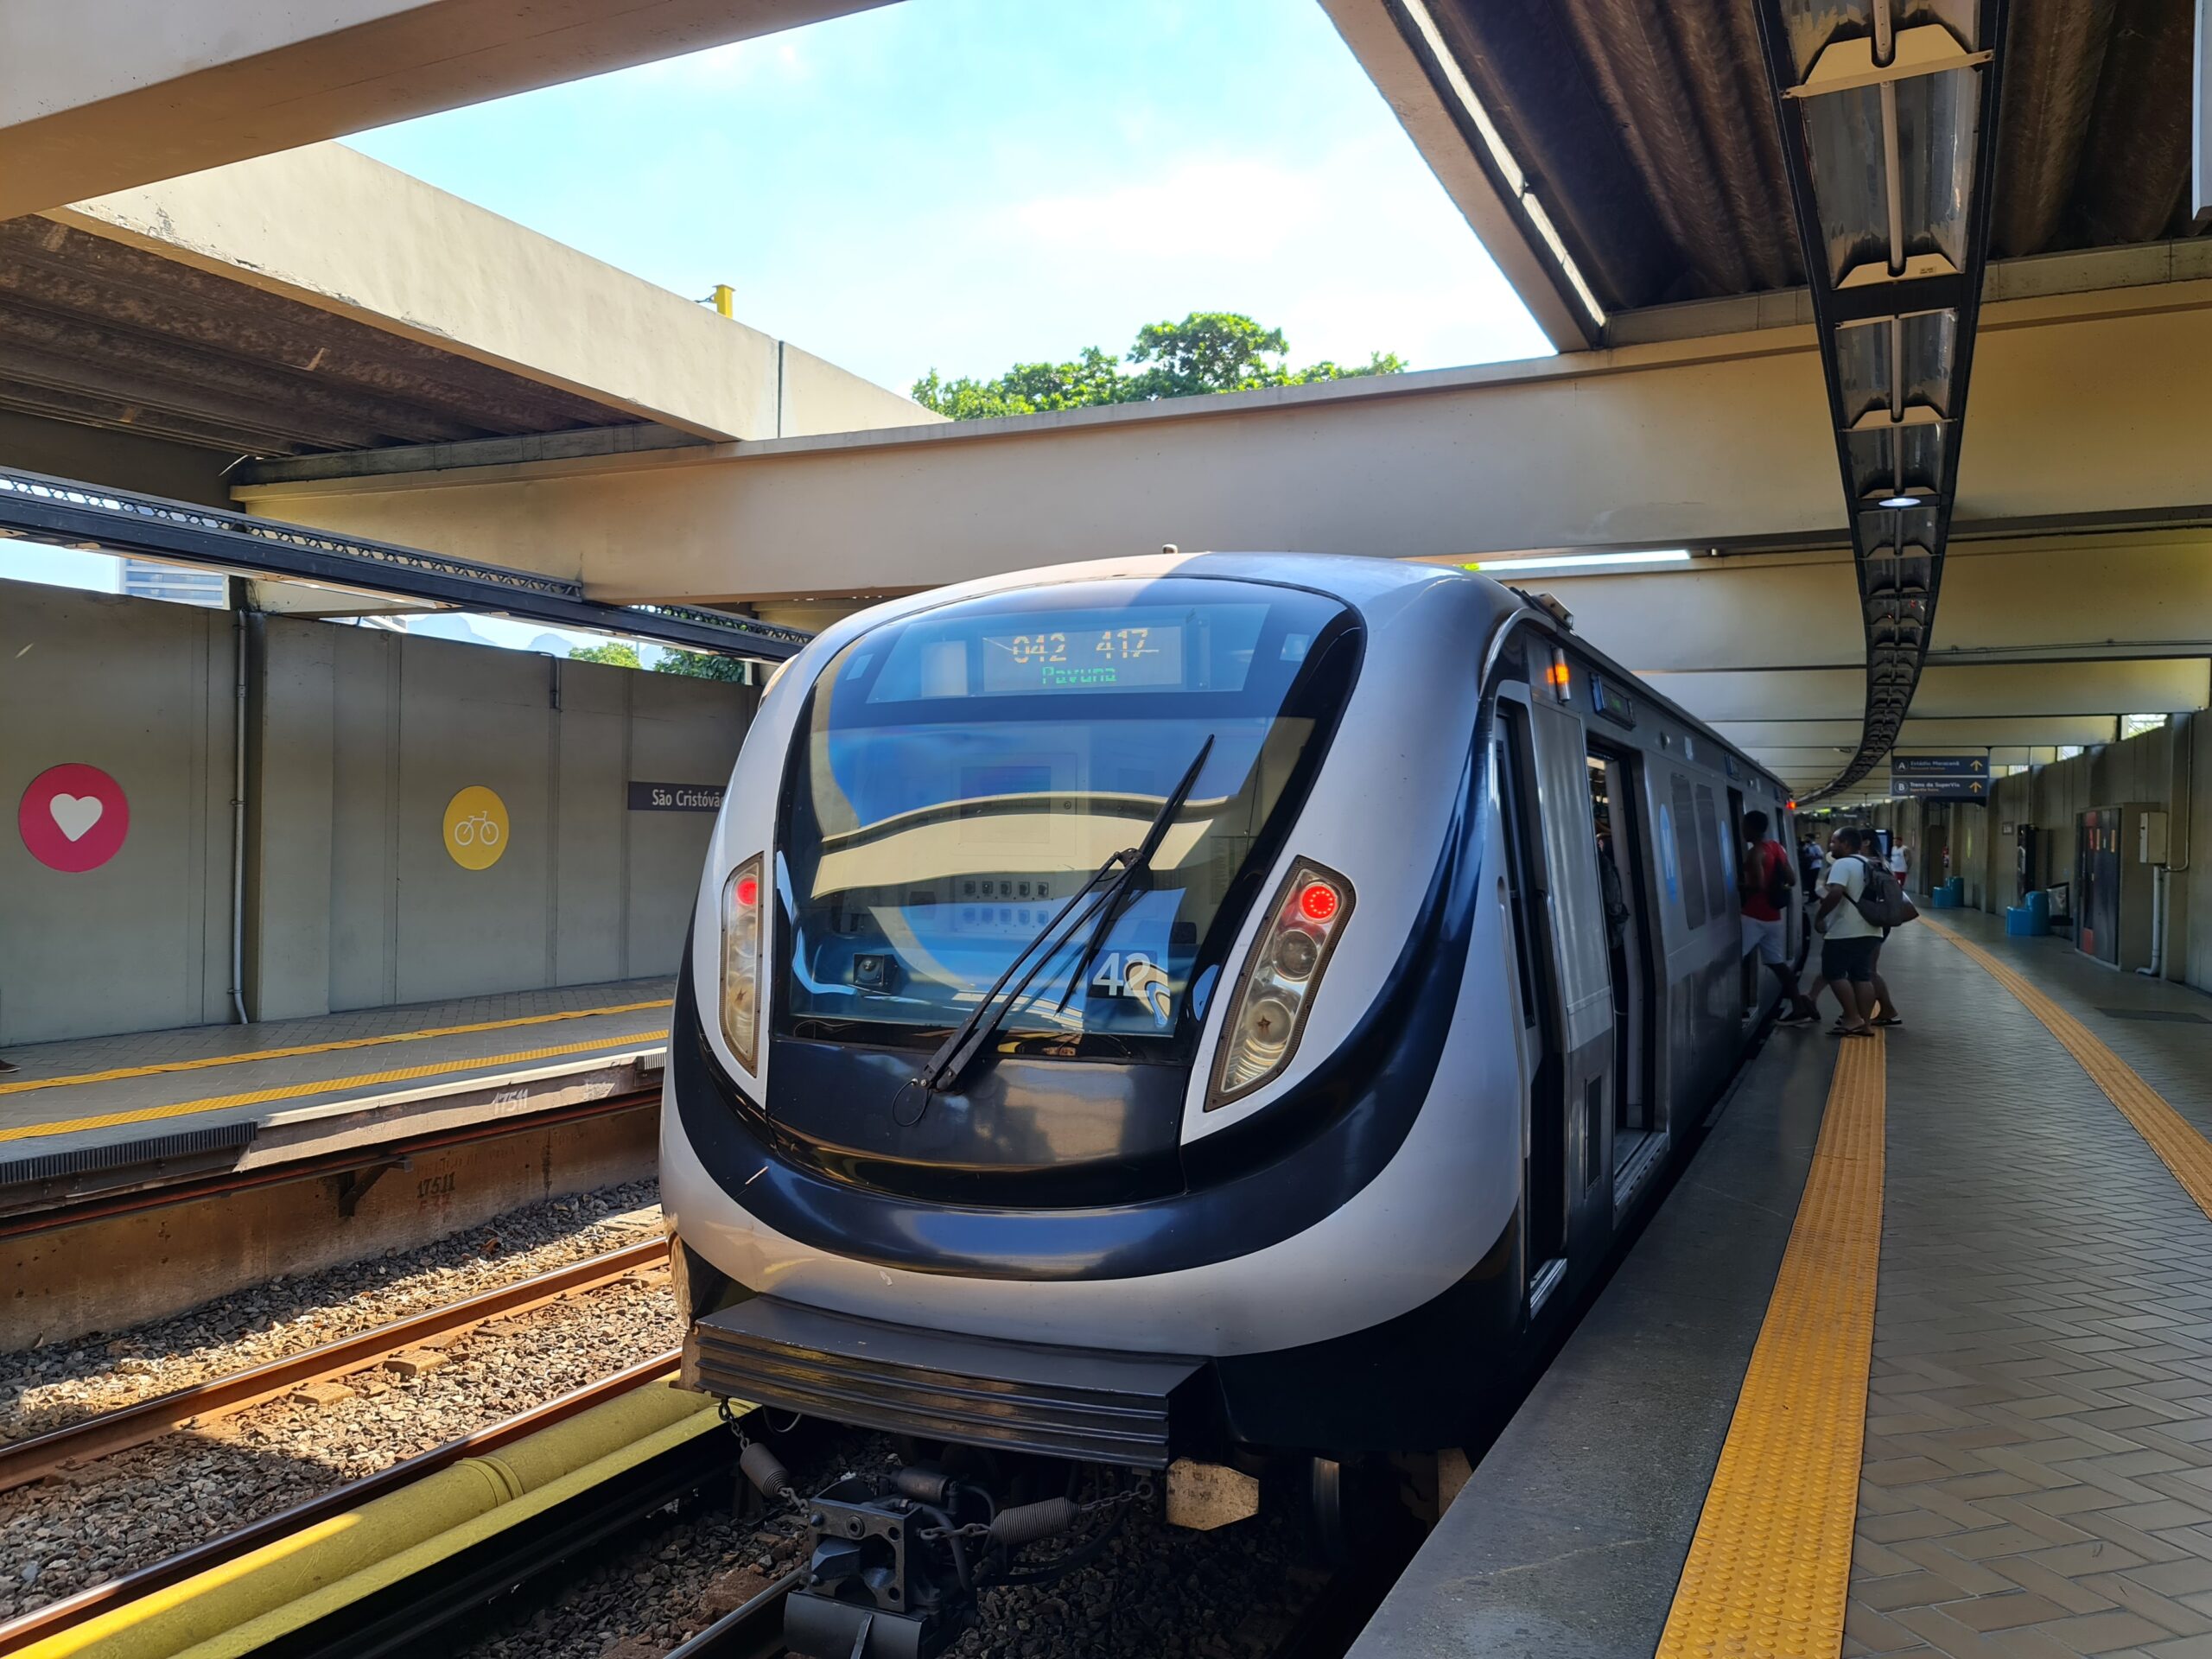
point(1646, 133)
point(98, 332)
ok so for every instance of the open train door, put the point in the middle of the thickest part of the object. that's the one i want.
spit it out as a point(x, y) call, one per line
point(1558, 917)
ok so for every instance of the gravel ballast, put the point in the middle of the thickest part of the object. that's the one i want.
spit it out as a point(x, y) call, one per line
point(86, 1526)
point(50, 1388)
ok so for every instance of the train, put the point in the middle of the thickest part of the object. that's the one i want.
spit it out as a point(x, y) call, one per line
point(1189, 1011)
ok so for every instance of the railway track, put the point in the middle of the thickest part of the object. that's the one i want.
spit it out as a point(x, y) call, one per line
point(56, 1617)
point(26, 1460)
point(438, 1607)
point(438, 1603)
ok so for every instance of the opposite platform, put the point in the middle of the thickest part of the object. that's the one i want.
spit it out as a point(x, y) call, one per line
point(92, 1115)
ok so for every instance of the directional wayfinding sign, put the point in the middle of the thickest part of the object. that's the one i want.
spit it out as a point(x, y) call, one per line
point(1940, 777)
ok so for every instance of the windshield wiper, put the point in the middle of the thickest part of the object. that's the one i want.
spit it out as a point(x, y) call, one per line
point(945, 1067)
point(1136, 874)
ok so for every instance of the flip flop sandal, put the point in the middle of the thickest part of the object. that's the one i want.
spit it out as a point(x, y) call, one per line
point(1887, 1019)
point(1857, 1030)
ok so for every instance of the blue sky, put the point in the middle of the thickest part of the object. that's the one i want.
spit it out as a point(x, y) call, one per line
point(964, 184)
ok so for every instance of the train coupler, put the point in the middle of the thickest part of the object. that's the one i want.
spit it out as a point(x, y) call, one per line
point(893, 1562)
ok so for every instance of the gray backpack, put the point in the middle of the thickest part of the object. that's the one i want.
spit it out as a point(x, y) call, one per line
point(1881, 900)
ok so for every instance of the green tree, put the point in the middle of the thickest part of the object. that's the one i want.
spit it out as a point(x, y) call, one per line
point(615, 654)
point(1208, 351)
point(702, 665)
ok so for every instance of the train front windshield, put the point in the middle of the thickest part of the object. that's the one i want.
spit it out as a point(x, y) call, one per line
point(961, 774)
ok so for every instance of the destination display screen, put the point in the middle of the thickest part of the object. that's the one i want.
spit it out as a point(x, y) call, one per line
point(1066, 652)
point(1084, 659)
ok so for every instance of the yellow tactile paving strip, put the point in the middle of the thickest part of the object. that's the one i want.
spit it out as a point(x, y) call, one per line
point(1770, 1563)
point(2173, 1137)
point(327, 1085)
point(323, 1048)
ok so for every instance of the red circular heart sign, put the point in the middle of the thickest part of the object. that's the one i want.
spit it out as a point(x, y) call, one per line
point(74, 817)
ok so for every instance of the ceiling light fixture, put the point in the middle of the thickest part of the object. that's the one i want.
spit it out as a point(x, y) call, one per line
point(1517, 183)
point(1595, 561)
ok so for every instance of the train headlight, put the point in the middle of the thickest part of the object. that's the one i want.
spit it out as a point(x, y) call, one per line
point(1280, 976)
point(741, 961)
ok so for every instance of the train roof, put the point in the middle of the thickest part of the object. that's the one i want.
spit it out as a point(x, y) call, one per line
point(1355, 579)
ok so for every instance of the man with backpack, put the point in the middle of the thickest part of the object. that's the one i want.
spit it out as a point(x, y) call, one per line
point(1860, 904)
point(1767, 885)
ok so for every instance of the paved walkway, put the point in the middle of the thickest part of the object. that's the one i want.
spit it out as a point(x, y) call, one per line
point(2036, 1478)
point(1976, 1417)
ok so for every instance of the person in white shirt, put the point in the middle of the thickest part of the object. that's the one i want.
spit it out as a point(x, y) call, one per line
point(1897, 861)
point(1848, 941)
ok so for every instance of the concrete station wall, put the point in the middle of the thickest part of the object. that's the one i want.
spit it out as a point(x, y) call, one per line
point(2171, 767)
point(144, 691)
point(357, 739)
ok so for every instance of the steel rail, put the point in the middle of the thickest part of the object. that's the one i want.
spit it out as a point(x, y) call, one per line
point(752, 1631)
point(330, 1163)
point(22, 1461)
point(39, 1622)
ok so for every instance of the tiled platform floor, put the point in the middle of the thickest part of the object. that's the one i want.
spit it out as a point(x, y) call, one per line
point(2036, 1480)
point(2037, 1474)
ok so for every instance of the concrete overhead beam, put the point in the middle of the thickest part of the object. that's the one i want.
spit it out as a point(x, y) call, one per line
point(328, 226)
point(2085, 405)
point(2147, 595)
point(2117, 686)
point(101, 95)
point(1924, 736)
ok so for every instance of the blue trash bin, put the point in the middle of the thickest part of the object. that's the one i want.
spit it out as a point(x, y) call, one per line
point(2020, 922)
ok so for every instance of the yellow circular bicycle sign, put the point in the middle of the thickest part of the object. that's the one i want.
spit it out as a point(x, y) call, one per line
point(476, 827)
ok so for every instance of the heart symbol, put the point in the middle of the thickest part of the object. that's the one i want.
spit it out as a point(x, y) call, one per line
point(74, 815)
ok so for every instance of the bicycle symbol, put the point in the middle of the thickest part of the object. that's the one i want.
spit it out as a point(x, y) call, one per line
point(476, 827)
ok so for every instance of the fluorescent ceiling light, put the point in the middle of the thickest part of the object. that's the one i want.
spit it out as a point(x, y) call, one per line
point(1501, 158)
point(1560, 561)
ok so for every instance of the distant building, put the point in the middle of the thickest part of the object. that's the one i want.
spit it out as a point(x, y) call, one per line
point(176, 584)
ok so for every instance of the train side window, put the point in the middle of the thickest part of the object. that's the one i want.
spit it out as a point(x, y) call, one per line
point(1686, 853)
point(1513, 820)
point(1714, 854)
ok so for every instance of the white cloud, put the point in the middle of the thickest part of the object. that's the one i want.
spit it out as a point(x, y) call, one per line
point(1228, 209)
point(1357, 251)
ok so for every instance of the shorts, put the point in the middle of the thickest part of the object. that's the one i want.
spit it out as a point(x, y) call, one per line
point(1850, 959)
point(1766, 938)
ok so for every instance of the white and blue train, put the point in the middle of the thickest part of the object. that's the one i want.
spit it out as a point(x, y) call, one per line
point(1215, 1005)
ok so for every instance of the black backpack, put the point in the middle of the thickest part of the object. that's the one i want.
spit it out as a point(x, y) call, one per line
point(1881, 900)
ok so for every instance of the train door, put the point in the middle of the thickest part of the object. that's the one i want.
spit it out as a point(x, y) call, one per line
point(1543, 1156)
point(1623, 876)
point(1574, 914)
point(1747, 968)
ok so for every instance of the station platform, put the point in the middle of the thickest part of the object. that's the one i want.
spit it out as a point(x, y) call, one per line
point(1915, 1357)
point(113, 1113)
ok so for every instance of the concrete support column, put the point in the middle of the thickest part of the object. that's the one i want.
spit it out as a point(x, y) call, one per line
point(290, 743)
